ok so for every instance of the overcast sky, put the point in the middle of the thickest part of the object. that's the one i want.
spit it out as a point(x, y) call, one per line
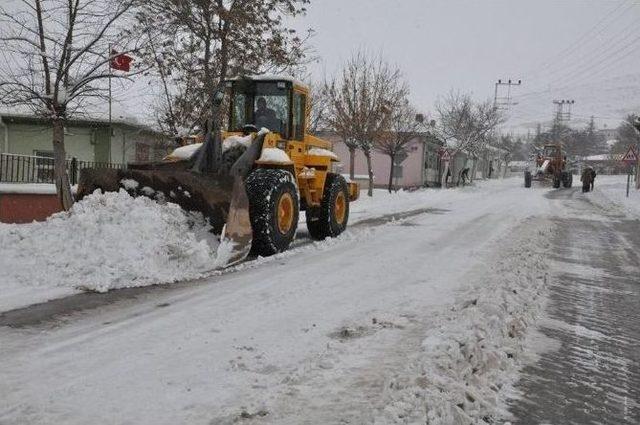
point(468, 44)
point(561, 49)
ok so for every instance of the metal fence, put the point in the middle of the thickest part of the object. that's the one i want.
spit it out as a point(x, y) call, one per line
point(39, 169)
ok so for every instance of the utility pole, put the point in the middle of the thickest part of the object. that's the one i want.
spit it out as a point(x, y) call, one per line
point(504, 102)
point(636, 125)
point(563, 110)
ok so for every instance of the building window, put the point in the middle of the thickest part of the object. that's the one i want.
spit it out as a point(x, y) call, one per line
point(397, 171)
point(142, 152)
point(431, 160)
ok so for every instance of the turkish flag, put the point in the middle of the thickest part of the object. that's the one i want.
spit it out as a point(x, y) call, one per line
point(120, 62)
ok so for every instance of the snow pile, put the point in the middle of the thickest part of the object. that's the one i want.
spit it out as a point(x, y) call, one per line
point(107, 241)
point(231, 142)
point(610, 192)
point(470, 359)
point(307, 173)
point(184, 152)
point(322, 152)
point(237, 142)
point(274, 155)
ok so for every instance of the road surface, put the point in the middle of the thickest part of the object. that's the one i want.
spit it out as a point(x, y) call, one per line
point(591, 375)
point(351, 330)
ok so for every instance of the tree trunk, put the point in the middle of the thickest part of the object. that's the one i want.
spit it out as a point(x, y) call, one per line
point(474, 170)
point(391, 173)
point(352, 162)
point(367, 155)
point(443, 178)
point(60, 175)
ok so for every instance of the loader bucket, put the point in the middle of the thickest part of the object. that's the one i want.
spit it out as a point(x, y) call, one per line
point(219, 194)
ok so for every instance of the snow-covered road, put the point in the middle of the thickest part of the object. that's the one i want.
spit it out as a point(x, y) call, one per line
point(425, 318)
point(327, 332)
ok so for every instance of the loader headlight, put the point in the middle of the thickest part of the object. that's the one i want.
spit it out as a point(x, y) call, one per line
point(282, 144)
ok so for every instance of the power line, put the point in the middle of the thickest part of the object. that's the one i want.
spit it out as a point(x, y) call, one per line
point(600, 58)
point(584, 60)
point(569, 50)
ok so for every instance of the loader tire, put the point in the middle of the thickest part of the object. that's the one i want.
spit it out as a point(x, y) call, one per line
point(527, 179)
point(273, 209)
point(567, 179)
point(556, 182)
point(331, 217)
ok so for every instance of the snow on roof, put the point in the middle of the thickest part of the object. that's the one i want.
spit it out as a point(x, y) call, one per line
point(84, 119)
point(603, 157)
point(268, 77)
point(496, 149)
point(451, 142)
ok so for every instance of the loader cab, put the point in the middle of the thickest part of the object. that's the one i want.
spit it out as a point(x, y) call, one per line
point(552, 151)
point(278, 105)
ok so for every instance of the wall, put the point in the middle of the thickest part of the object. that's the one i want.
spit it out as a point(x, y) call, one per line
point(102, 147)
point(127, 140)
point(85, 143)
point(25, 208)
point(412, 170)
point(25, 139)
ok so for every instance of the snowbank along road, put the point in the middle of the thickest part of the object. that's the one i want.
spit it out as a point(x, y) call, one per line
point(424, 319)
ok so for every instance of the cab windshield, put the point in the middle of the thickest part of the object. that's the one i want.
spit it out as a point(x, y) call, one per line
point(550, 151)
point(263, 104)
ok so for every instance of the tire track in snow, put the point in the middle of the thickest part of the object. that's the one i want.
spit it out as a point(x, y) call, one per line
point(592, 376)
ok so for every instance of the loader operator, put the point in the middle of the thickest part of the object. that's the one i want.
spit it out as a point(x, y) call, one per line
point(264, 116)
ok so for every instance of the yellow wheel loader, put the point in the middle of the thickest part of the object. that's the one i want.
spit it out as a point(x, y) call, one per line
point(252, 179)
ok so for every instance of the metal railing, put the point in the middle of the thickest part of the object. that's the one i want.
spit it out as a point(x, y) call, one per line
point(16, 168)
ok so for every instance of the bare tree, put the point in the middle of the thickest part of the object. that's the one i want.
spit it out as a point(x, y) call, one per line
point(340, 117)
point(319, 114)
point(362, 103)
point(197, 44)
point(465, 124)
point(627, 135)
point(55, 53)
point(403, 129)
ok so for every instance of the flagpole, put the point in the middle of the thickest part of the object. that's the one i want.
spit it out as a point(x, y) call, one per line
point(110, 129)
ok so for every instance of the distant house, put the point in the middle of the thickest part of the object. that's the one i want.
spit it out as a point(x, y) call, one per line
point(419, 168)
point(85, 139)
point(608, 133)
point(518, 166)
point(605, 163)
point(490, 163)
